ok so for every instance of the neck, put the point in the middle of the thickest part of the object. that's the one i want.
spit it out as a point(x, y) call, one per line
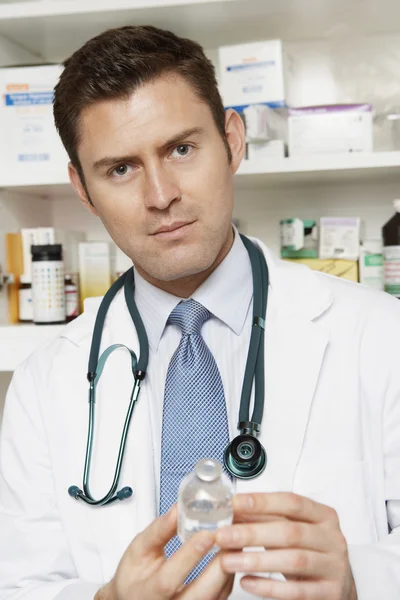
point(186, 286)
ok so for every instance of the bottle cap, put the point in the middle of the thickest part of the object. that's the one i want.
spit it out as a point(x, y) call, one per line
point(46, 252)
point(208, 470)
point(396, 204)
point(25, 279)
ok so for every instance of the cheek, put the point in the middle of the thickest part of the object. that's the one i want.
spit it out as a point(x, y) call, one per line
point(210, 185)
point(117, 205)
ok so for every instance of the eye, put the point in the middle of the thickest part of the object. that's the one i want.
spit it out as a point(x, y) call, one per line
point(182, 149)
point(120, 171)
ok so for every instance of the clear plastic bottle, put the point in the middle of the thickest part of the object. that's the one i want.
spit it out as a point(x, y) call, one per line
point(205, 500)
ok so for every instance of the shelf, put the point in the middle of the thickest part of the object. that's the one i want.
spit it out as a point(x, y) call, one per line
point(322, 169)
point(52, 29)
point(17, 342)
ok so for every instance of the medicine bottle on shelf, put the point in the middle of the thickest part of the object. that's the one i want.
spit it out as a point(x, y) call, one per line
point(71, 299)
point(205, 500)
point(48, 289)
point(391, 252)
point(25, 305)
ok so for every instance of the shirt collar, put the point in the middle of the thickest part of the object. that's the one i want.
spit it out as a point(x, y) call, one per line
point(226, 293)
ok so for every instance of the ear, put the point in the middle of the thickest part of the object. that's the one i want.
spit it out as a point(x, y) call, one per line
point(236, 136)
point(80, 188)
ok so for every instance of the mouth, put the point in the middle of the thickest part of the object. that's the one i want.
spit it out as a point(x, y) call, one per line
point(174, 230)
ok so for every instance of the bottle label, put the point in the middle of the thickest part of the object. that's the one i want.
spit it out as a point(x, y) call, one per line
point(391, 255)
point(25, 305)
point(373, 260)
point(48, 292)
point(71, 302)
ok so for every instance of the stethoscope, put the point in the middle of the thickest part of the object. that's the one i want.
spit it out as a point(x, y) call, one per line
point(245, 457)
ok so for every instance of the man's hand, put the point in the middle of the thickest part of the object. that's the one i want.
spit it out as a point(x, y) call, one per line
point(303, 541)
point(144, 573)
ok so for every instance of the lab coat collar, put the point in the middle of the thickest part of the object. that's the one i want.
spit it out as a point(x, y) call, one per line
point(226, 293)
point(297, 289)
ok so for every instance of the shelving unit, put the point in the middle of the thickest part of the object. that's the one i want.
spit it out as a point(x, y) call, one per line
point(47, 31)
point(329, 168)
point(51, 29)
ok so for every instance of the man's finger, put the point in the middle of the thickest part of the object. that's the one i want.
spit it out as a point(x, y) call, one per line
point(157, 534)
point(257, 518)
point(210, 583)
point(174, 571)
point(303, 563)
point(227, 589)
point(287, 590)
point(286, 504)
point(276, 534)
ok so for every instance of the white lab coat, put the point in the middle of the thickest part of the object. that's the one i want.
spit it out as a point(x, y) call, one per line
point(331, 429)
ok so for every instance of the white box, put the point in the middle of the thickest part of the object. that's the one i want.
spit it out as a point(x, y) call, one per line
point(330, 129)
point(340, 237)
point(30, 148)
point(371, 264)
point(96, 268)
point(272, 149)
point(252, 74)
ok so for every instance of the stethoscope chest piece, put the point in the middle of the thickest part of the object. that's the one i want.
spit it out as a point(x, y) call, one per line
point(245, 457)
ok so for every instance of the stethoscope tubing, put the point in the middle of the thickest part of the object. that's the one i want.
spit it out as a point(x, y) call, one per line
point(254, 371)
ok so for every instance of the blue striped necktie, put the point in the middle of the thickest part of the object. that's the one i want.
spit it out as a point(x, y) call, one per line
point(195, 423)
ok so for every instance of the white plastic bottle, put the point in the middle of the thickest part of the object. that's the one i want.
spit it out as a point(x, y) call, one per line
point(205, 500)
point(391, 252)
point(48, 291)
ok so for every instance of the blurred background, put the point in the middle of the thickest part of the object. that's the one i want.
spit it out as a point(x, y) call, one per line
point(317, 83)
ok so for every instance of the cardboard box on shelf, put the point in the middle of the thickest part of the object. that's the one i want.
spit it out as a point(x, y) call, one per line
point(96, 268)
point(30, 148)
point(340, 237)
point(299, 238)
point(346, 269)
point(330, 129)
point(265, 151)
point(252, 73)
point(15, 267)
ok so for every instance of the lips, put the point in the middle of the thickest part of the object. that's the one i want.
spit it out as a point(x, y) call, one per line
point(171, 227)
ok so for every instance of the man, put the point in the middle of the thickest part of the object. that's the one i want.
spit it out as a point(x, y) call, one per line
point(153, 154)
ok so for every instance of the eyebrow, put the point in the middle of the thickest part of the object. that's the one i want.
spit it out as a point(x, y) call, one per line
point(109, 161)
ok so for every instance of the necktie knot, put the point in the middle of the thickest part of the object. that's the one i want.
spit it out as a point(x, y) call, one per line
point(189, 316)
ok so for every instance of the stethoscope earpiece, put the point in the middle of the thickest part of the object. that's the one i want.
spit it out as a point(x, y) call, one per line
point(74, 491)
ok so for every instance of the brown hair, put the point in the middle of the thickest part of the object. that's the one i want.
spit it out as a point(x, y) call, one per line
point(115, 63)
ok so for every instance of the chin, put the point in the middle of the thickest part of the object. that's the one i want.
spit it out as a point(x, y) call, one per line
point(163, 273)
point(177, 267)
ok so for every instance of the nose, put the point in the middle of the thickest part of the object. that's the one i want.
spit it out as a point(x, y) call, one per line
point(161, 189)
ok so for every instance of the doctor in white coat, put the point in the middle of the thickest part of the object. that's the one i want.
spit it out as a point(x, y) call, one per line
point(153, 155)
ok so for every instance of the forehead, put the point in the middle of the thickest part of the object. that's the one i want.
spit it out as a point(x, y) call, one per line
point(153, 113)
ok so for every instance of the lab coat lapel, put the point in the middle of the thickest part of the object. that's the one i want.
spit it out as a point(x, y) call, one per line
point(114, 526)
point(294, 350)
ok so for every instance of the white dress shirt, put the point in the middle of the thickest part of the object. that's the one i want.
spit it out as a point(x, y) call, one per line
point(227, 293)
